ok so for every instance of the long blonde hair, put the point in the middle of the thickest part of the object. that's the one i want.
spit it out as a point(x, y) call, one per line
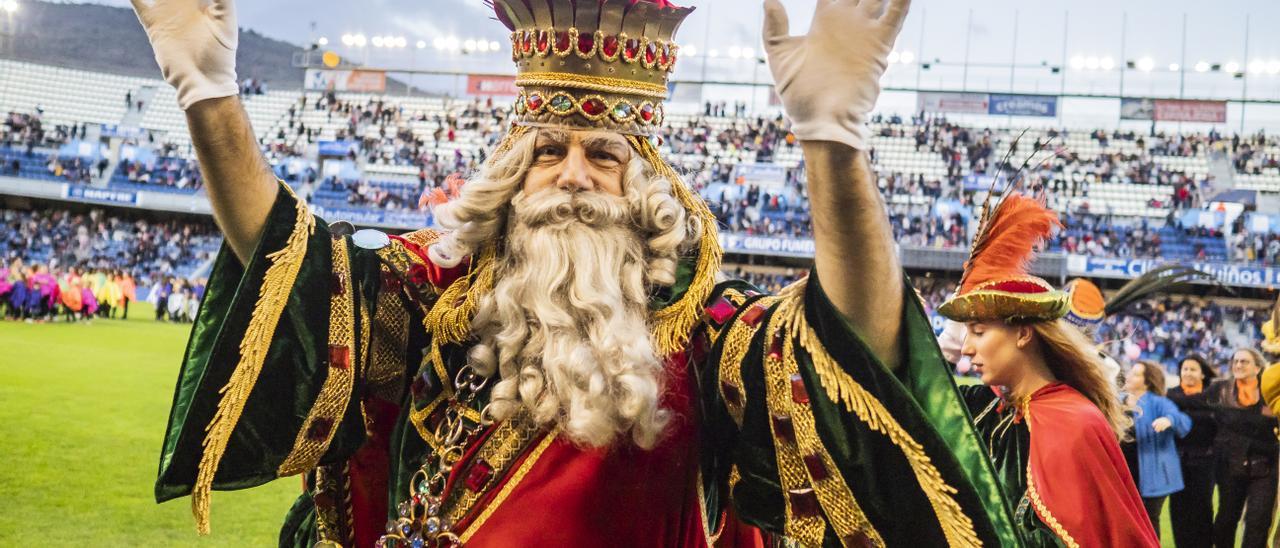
point(1075, 361)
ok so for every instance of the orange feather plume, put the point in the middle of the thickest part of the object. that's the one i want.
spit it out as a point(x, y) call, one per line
point(1006, 241)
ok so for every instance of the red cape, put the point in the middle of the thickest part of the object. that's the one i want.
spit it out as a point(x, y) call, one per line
point(1078, 481)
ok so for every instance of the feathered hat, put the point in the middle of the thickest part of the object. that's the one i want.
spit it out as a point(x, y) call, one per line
point(1088, 308)
point(996, 284)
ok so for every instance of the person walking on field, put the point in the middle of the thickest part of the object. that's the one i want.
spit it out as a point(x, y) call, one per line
point(1246, 452)
point(1191, 509)
point(1157, 423)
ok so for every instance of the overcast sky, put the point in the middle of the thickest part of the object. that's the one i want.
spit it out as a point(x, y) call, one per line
point(935, 30)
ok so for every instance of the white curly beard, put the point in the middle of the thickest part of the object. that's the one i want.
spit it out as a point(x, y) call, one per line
point(566, 324)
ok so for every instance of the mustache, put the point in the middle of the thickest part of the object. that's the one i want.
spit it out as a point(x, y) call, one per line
point(550, 208)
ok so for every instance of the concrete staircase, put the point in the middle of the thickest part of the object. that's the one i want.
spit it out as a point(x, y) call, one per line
point(132, 119)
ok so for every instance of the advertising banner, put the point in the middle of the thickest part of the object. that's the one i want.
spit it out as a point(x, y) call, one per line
point(685, 92)
point(764, 245)
point(1174, 110)
point(1045, 106)
point(959, 103)
point(760, 174)
point(337, 148)
point(375, 217)
point(1228, 274)
point(110, 131)
point(492, 85)
point(362, 81)
point(100, 195)
point(1137, 109)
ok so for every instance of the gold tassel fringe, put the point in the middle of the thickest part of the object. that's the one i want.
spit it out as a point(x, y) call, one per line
point(841, 388)
point(272, 296)
point(673, 324)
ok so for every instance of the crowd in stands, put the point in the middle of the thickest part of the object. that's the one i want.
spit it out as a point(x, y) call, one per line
point(27, 130)
point(707, 148)
point(165, 171)
point(145, 249)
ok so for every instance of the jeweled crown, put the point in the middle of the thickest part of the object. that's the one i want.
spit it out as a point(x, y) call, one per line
point(595, 64)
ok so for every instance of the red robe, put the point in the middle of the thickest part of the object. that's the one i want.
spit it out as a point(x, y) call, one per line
point(563, 479)
point(1078, 481)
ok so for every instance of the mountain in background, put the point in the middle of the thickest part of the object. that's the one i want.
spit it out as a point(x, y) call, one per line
point(110, 39)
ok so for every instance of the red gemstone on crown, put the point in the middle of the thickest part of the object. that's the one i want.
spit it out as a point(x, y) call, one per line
point(593, 107)
point(534, 102)
point(633, 49)
point(650, 53)
point(646, 112)
point(528, 42)
point(666, 55)
point(543, 41)
point(586, 43)
point(562, 41)
point(610, 46)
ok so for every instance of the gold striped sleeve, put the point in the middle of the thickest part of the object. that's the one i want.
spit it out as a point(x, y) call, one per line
point(273, 293)
point(842, 389)
point(331, 404)
point(737, 341)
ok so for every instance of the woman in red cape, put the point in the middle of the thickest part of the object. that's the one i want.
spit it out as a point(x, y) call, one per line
point(1050, 417)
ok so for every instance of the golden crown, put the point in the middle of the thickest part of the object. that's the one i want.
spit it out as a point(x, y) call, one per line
point(592, 64)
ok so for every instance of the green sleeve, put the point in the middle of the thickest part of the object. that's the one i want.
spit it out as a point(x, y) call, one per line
point(824, 444)
point(282, 411)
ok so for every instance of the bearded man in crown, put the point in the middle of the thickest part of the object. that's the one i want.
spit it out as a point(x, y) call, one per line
point(563, 364)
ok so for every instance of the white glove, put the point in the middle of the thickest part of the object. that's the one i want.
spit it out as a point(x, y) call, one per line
point(829, 79)
point(195, 45)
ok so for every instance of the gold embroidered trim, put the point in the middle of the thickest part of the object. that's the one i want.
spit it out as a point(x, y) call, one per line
point(331, 402)
point(277, 283)
point(841, 388)
point(418, 418)
point(600, 84)
point(737, 343)
point(385, 373)
point(792, 476)
point(1046, 515)
point(449, 321)
point(509, 486)
point(328, 516)
point(674, 324)
point(437, 364)
point(837, 500)
point(500, 449)
point(703, 512)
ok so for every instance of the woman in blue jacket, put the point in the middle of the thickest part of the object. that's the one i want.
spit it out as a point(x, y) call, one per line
point(1155, 423)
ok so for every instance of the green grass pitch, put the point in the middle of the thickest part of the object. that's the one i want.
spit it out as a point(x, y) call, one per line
point(82, 412)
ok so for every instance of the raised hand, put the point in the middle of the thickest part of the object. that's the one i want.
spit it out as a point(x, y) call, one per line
point(829, 79)
point(195, 45)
